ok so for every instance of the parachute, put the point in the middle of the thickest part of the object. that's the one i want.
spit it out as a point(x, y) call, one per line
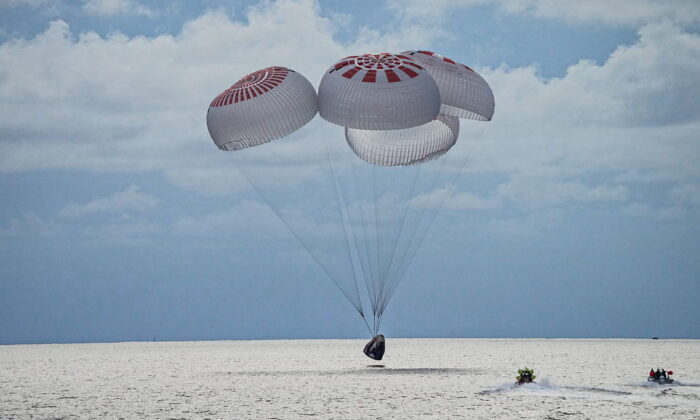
point(410, 146)
point(378, 92)
point(265, 105)
point(368, 203)
point(463, 92)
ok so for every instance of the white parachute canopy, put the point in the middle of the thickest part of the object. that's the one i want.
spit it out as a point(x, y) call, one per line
point(265, 105)
point(378, 92)
point(463, 92)
point(408, 146)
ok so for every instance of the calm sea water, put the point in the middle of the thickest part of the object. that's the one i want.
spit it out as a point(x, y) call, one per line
point(420, 378)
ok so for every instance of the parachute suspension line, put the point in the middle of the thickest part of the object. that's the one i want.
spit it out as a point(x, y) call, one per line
point(365, 224)
point(368, 328)
point(340, 200)
point(380, 200)
point(406, 256)
point(385, 296)
point(383, 206)
point(439, 204)
point(403, 221)
point(364, 257)
point(376, 237)
point(363, 253)
point(308, 250)
point(402, 204)
point(422, 229)
point(427, 211)
point(421, 204)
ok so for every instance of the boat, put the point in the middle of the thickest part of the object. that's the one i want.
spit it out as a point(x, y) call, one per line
point(661, 379)
point(525, 376)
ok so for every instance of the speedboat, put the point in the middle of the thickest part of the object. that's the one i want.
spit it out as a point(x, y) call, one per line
point(661, 380)
point(525, 376)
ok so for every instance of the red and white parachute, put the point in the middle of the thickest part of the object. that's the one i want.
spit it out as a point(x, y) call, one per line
point(463, 92)
point(378, 92)
point(265, 105)
point(400, 112)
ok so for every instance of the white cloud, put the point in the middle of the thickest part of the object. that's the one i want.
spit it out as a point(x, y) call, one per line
point(129, 200)
point(535, 193)
point(29, 3)
point(251, 216)
point(129, 232)
point(632, 118)
point(470, 201)
point(651, 83)
point(246, 217)
point(31, 224)
point(620, 12)
point(688, 194)
point(120, 104)
point(139, 104)
point(115, 7)
point(637, 209)
point(529, 226)
point(531, 192)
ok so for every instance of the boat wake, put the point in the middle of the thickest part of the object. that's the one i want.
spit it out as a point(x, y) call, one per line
point(545, 385)
point(597, 390)
point(678, 383)
point(542, 385)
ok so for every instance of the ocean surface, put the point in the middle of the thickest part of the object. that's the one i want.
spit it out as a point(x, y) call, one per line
point(418, 378)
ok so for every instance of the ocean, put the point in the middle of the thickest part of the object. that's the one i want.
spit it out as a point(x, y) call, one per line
point(287, 379)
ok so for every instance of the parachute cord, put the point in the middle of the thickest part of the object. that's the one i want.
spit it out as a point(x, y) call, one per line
point(418, 234)
point(368, 328)
point(394, 276)
point(412, 233)
point(379, 321)
point(440, 204)
point(364, 221)
point(403, 223)
point(341, 204)
point(363, 253)
point(358, 308)
point(376, 236)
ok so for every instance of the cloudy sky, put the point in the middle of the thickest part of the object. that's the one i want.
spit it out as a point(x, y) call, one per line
point(577, 214)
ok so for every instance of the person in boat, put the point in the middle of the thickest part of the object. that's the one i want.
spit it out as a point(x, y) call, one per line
point(663, 374)
point(525, 376)
point(651, 373)
point(657, 374)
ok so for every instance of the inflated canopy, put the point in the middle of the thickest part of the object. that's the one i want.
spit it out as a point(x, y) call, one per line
point(265, 105)
point(406, 146)
point(378, 92)
point(464, 93)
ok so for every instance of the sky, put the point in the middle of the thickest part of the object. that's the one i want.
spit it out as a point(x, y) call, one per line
point(576, 215)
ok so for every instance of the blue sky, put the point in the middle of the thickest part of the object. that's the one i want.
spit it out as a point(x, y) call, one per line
point(578, 214)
